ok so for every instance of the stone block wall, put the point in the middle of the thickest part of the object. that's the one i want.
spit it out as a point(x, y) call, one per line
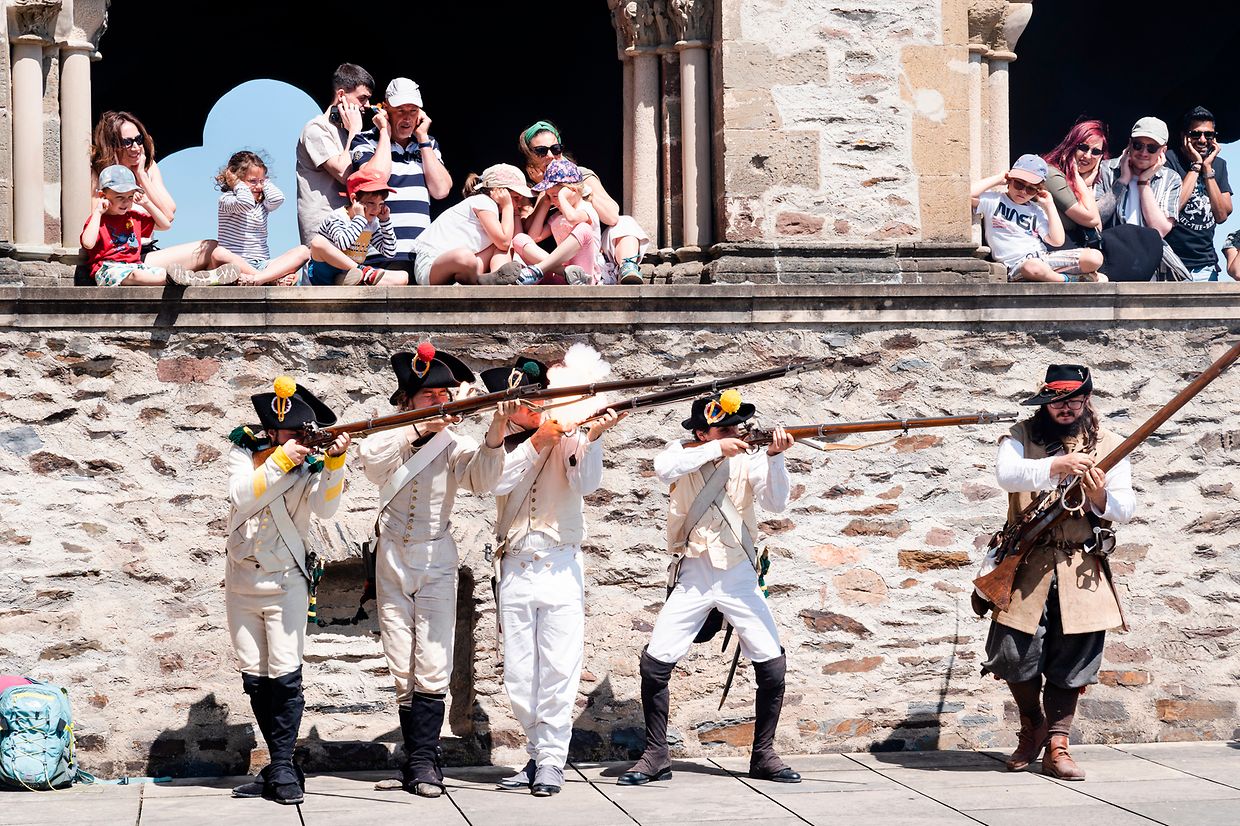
point(843, 122)
point(112, 445)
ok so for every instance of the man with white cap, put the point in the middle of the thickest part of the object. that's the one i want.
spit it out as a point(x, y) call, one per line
point(1137, 187)
point(401, 143)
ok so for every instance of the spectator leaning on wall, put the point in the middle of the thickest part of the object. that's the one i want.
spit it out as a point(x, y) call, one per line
point(323, 162)
point(1205, 195)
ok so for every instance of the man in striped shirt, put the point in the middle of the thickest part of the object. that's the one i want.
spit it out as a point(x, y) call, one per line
point(417, 173)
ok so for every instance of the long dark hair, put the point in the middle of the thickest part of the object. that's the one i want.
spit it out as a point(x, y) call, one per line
point(1044, 431)
point(1063, 156)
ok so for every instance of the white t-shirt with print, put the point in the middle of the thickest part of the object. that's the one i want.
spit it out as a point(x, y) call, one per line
point(1014, 231)
point(457, 226)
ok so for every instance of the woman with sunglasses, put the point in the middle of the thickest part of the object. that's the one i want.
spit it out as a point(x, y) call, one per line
point(1072, 171)
point(624, 241)
point(120, 138)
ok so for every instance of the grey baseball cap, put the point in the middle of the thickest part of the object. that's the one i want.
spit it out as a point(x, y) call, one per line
point(1150, 127)
point(118, 179)
point(1029, 168)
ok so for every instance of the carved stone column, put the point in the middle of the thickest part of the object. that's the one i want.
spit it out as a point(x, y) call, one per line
point(635, 22)
point(31, 27)
point(626, 108)
point(79, 45)
point(995, 26)
point(692, 21)
point(671, 227)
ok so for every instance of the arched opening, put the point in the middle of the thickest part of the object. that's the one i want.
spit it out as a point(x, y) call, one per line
point(486, 72)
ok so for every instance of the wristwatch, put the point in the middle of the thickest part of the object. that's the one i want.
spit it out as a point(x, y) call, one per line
point(426, 144)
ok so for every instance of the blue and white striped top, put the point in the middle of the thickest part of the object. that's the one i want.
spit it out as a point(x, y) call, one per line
point(243, 221)
point(411, 202)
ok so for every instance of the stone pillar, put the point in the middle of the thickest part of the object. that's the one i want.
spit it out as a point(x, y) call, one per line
point(645, 180)
point(671, 119)
point(635, 22)
point(978, 155)
point(1000, 127)
point(626, 102)
point(78, 35)
point(692, 21)
point(75, 129)
point(31, 26)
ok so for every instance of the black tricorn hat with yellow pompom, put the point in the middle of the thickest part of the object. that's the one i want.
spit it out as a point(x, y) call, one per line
point(722, 410)
point(290, 407)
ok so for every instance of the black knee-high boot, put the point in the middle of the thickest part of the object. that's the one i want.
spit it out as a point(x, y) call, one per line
point(256, 689)
point(420, 724)
point(655, 763)
point(285, 782)
point(764, 763)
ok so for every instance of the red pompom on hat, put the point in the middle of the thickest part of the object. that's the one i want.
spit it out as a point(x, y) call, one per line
point(426, 351)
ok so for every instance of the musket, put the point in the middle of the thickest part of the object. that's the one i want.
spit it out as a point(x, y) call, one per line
point(318, 437)
point(808, 434)
point(1012, 544)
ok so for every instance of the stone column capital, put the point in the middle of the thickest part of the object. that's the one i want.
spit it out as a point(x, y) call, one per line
point(636, 25)
point(996, 25)
point(33, 22)
point(692, 20)
point(82, 24)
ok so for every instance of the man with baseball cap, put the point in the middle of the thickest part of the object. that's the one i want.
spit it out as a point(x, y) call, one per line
point(1139, 188)
point(1047, 646)
point(1022, 224)
point(400, 144)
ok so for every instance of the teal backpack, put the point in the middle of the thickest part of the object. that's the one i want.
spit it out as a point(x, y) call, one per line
point(36, 738)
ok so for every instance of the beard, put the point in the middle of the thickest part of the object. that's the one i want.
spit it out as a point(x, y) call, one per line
point(1047, 430)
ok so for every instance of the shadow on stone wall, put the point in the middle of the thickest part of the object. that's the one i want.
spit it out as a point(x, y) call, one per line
point(208, 744)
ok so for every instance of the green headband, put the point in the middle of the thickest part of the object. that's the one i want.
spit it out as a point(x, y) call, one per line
point(541, 126)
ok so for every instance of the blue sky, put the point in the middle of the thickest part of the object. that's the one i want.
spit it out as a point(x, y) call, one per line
point(265, 116)
point(1230, 153)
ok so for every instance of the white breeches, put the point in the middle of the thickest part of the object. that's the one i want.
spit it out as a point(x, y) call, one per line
point(542, 610)
point(700, 587)
point(415, 588)
point(266, 617)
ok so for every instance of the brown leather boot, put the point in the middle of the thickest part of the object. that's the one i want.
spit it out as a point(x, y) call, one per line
point(1029, 744)
point(1058, 763)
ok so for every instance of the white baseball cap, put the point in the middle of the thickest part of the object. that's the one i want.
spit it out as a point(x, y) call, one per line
point(402, 91)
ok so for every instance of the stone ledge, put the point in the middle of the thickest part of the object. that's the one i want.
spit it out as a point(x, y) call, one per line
point(693, 306)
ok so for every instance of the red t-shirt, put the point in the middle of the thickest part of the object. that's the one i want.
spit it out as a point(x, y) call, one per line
point(120, 238)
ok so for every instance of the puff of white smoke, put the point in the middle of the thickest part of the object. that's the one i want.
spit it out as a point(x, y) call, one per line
point(582, 365)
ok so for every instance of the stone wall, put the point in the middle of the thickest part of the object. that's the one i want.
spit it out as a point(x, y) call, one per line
point(113, 415)
point(844, 122)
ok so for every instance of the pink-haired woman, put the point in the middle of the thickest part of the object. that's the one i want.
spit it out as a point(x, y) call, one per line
point(1073, 171)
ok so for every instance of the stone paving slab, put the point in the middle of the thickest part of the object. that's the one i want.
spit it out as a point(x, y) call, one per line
point(1167, 784)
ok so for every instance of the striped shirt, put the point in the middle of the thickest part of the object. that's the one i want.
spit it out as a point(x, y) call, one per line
point(243, 221)
point(411, 202)
point(357, 237)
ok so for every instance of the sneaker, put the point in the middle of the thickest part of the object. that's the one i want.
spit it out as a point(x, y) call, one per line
point(548, 780)
point(529, 276)
point(577, 276)
point(630, 272)
point(223, 274)
point(177, 274)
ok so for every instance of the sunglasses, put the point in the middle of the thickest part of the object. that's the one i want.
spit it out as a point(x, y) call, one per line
point(128, 142)
point(1096, 151)
point(1021, 186)
point(553, 149)
point(1142, 146)
point(1201, 133)
point(1071, 404)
